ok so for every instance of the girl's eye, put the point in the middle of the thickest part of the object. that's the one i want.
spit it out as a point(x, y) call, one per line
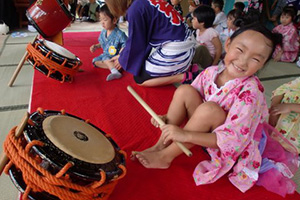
point(256, 60)
point(239, 49)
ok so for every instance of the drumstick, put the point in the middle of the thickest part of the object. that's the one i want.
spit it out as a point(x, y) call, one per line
point(20, 65)
point(19, 131)
point(157, 118)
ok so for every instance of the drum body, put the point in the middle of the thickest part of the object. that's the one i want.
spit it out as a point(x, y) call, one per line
point(53, 60)
point(68, 139)
point(49, 17)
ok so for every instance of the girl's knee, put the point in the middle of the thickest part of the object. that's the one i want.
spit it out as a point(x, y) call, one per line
point(214, 111)
point(185, 89)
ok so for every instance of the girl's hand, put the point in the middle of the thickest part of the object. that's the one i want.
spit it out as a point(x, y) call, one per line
point(280, 109)
point(172, 133)
point(155, 123)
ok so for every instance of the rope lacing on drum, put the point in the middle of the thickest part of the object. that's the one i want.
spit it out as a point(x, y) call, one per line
point(39, 179)
point(52, 66)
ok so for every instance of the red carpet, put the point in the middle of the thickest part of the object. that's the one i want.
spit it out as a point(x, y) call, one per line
point(111, 107)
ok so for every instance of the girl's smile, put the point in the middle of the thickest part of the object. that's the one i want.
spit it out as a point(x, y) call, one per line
point(245, 55)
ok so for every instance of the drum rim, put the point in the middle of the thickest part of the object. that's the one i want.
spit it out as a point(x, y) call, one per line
point(65, 9)
point(92, 175)
point(61, 137)
point(35, 25)
point(59, 46)
point(57, 55)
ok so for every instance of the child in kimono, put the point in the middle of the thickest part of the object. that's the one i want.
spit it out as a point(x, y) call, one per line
point(226, 111)
point(160, 46)
point(220, 20)
point(112, 41)
point(233, 22)
point(290, 44)
point(285, 111)
point(209, 47)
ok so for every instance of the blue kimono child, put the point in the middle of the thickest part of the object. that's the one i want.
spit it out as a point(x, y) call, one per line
point(112, 40)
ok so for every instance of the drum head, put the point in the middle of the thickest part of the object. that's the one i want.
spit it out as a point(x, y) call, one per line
point(59, 49)
point(78, 139)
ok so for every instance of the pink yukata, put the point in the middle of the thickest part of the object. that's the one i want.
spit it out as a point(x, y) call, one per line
point(239, 137)
point(290, 44)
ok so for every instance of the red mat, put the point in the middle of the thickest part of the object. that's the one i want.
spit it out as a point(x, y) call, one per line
point(112, 108)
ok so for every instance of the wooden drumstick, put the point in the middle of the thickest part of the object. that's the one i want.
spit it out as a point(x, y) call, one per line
point(157, 118)
point(19, 131)
point(20, 65)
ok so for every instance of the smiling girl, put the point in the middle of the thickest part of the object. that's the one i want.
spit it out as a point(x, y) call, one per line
point(226, 111)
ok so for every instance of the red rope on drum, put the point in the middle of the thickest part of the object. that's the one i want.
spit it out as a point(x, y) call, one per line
point(52, 66)
point(39, 179)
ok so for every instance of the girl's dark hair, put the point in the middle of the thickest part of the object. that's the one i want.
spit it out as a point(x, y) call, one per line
point(104, 9)
point(289, 10)
point(205, 14)
point(275, 38)
point(237, 15)
point(240, 6)
point(218, 3)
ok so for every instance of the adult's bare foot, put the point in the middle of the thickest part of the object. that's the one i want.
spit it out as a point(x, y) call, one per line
point(153, 160)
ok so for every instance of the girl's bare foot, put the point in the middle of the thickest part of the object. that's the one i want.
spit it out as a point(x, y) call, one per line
point(154, 160)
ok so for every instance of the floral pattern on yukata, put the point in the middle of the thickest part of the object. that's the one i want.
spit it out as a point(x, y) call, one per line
point(289, 124)
point(290, 44)
point(244, 101)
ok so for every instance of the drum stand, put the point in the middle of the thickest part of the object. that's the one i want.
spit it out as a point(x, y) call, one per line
point(58, 38)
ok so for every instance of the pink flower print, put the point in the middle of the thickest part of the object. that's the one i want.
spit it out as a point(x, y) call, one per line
point(246, 97)
point(209, 90)
point(260, 87)
point(255, 164)
point(244, 130)
point(293, 139)
point(219, 93)
point(282, 131)
point(236, 91)
point(234, 117)
point(228, 130)
point(245, 154)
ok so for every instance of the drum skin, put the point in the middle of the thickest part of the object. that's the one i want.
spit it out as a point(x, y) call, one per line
point(49, 17)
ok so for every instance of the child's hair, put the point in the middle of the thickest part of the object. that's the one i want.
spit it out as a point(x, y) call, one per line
point(218, 3)
point(275, 38)
point(240, 6)
point(237, 15)
point(289, 10)
point(118, 7)
point(104, 9)
point(251, 16)
point(205, 14)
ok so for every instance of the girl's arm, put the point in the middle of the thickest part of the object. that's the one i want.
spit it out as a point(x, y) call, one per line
point(94, 47)
point(174, 133)
point(218, 46)
point(273, 118)
point(285, 108)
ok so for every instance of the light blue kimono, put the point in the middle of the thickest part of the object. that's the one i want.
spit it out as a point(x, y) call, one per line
point(111, 45)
